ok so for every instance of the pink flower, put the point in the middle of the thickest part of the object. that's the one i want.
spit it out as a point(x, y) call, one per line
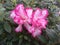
point(19, 28)
point(33, 20)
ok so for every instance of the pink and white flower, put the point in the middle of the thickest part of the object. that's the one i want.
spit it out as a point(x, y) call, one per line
point(33, 20)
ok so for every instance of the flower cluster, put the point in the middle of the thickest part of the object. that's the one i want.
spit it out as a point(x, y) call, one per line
point(33, 20)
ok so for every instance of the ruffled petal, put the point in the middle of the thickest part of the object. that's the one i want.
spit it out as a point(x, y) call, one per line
point(43, 23)
point(44, 13)
point(29, 12)
point(19, 28)
point(20, 10)
point(37, 14)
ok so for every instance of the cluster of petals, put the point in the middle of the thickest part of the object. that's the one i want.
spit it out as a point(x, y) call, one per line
point(33, 20)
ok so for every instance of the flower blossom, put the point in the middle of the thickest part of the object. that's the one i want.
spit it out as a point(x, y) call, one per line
point(33, 20)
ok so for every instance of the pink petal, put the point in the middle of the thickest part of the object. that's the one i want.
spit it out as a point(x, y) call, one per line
point(29, 12)
point(32, 29)
point(36, 33)
point(18, 20)
point(37, 14)
point(12, 15)
point(44, 13)
point(19, 28)
point(29, 28)
point(20, 10)
point(43, 23)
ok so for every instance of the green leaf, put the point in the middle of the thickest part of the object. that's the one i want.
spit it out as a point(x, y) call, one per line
point(27, 1)
point(58, 26)
point(20, 41)
point(2, 9)
point(7, 27)
point(1, 31)
point(1, 17)
point(52, 34)
point(25, 37)
point(27, 43)
point(43, 39)
point(36, 43)
point(14, 39)
point(9, 43)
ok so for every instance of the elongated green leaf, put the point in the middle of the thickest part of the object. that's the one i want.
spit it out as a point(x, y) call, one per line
point(1, 31)
point(7, 27)
point(20, 41)
point(43, 39)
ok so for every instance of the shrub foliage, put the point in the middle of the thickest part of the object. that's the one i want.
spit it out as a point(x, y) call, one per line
point(50, 36)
